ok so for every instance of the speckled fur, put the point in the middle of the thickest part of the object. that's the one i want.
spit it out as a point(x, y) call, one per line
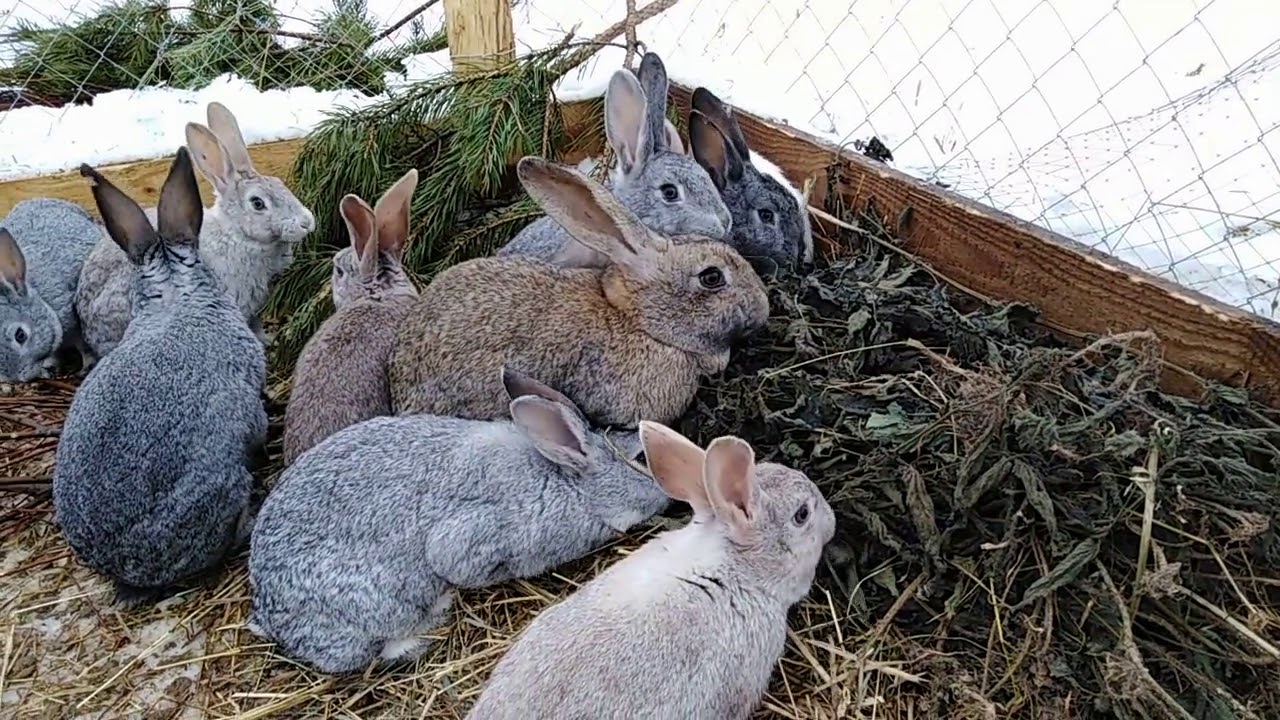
point(650, 155)
point(692, 624)
point(360, 545)
point(749, 184)
point(245, 247)
point(341, 375)
point(53, 238)
point(150, 484)
point(625, 343)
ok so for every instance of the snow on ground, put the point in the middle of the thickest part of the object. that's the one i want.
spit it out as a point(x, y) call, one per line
point(1142, 127)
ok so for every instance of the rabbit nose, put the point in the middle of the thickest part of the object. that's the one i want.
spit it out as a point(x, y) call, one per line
point(308, 220)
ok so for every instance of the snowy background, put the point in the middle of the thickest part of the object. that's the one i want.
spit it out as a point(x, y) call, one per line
point(1146, 128)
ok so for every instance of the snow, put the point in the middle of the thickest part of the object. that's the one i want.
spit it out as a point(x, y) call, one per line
point(1146, 128)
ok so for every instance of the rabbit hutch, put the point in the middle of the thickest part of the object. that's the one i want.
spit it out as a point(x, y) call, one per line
point(1055, 475)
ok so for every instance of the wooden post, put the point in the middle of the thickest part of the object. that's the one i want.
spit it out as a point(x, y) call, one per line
point(481, 34)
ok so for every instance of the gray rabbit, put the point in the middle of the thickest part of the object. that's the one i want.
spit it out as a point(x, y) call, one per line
point(628, 342)
point(692, 624)
point(43, 244)
point(341, 375)
point(359, 546)
point(665, 188)
point(247, 239)
point(150, 486)
point(770, 218)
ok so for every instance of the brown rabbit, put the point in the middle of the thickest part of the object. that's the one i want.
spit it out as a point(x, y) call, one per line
point(341, 375)
point(626, 342)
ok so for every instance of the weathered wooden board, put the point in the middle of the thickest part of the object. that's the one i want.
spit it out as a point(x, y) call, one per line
point(1079, 291)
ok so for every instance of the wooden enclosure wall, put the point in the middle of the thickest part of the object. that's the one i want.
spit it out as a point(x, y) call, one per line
point(1079, 291)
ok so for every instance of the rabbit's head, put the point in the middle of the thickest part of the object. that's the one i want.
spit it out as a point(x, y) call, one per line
point(770, 221)
point(615, 487)
point(371, 266)
point(254, 206)
point(773, 520)
point(698, 296)
point(29, 329)
point(666, 188)
point(168, 259)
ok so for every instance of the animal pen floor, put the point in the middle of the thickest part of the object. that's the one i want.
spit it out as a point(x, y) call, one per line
point(69, 653)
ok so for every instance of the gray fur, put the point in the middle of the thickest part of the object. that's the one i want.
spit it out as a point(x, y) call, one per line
point(53, 238)
point(692, 624)
point(770, 222)
point(245, 247)
point(150, 485)
point(650, 157)
point(629, 342)
point(360, 545)
point(341, 375)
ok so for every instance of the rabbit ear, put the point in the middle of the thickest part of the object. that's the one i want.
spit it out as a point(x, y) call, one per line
point(180, 212)
point(589, 213)
point(624, 121)
point(713, 152)
point(518, 384)
point(363, 230)
point(706, 102)
point(673, 137)
point(224, 125)
point(392, 213)
point(126, 223)
point(653, 79)
point(211, 157)
point(730, 481)
point(13, 264)
point(676, 464)
point(557, 433)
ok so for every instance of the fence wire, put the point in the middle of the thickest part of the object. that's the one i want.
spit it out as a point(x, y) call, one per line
point(1144, 128)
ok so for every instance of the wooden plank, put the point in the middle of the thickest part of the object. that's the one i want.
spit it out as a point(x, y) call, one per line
point(1079, 291)
point(139, 180)
point(481, 34)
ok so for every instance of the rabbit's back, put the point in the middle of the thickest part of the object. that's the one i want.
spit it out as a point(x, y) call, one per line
point(553, 323)
point(56, 236)
point(341, 376)
point(659, 649)
point(150, 471)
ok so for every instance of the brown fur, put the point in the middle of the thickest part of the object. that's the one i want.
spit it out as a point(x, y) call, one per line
point(341, 375)
point(627, 342)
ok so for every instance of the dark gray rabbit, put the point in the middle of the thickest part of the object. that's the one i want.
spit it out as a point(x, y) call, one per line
point(770, 217)
point(359, 546)
point(150, 486)
point(665, 188)
point(43, 244)
point(690, 625)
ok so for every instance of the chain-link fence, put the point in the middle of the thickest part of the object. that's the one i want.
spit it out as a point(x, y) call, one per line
point(1145, 128)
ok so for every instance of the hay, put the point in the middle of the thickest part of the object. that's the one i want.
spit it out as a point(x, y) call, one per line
point(994, 491)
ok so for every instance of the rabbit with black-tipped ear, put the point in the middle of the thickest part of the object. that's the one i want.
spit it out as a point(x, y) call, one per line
point(692, 623)
point(665, 188)
point(770, 217)
point(628, 342)
point(43, 244)
point(359, 547)
point(341, 375)
point(247, 239)
point(150, 485)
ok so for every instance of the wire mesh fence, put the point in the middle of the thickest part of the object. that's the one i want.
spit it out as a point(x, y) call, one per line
point(1144, 128)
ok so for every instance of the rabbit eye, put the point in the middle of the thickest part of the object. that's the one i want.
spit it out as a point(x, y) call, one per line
point(257, 204)
point(20, 335)
point(670, 192)
point(802, 515)
point(711, 278)
point(766, 216)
